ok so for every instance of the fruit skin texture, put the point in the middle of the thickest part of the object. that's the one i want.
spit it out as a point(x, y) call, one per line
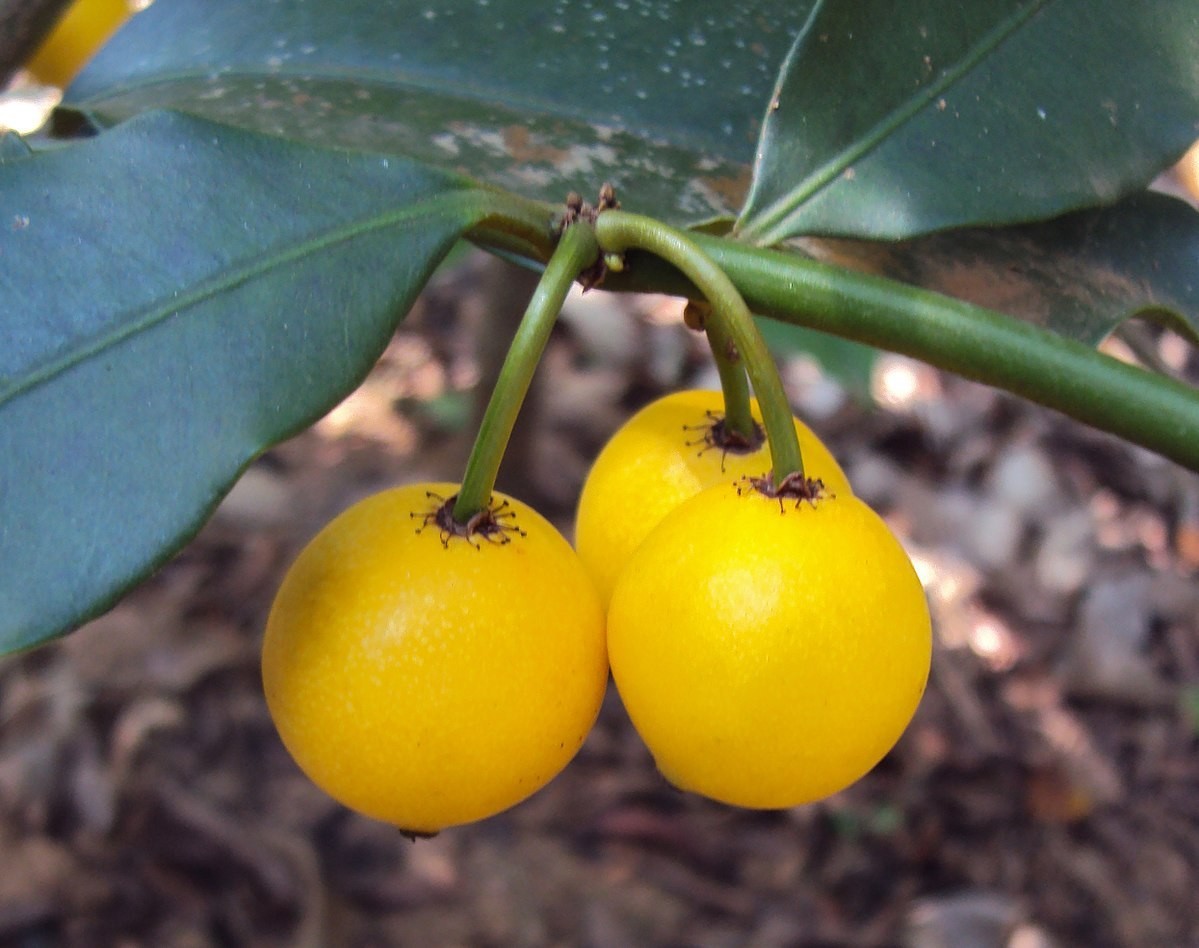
point(769, 660)
point(428, 685)
point(654, 463)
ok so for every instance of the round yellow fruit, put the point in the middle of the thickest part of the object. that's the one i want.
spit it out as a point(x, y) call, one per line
point(769, 653)
point(426, 679)
point(84, 28)
point(658, 459)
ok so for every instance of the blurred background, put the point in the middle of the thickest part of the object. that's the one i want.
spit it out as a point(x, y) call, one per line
point(1047, 793)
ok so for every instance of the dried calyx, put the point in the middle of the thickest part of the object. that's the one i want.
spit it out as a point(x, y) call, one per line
point(495, 523)
point(795, 487)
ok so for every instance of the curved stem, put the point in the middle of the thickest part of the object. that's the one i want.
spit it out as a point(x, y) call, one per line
point(1146, 409)
point(576, 251)
point(1142, 407)
point(734, 386)
point(620, 231)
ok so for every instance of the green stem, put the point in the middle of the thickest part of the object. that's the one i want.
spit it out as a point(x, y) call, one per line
point(576, 251)
point(513, 225)
point(1142, 407)
point(620, 231)
point(1150, 410)
point(734, 386)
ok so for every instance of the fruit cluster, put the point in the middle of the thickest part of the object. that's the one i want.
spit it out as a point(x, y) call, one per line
point(769, 642)
point(439, 652)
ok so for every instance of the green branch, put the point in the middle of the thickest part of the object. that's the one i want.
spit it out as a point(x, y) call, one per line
point(514, 226)
point(1146, 409)
point(1142, 407)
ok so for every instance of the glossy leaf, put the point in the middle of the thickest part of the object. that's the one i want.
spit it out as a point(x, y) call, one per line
point(896, 119)
point(1080, 275)
point(178, 296)
point(661, 98)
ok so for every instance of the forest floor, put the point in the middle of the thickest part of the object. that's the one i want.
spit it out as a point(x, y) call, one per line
point(1046, 794)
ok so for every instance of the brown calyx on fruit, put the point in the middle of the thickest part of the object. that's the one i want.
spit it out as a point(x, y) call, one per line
point(794, 487)
point(715, 434)
point(495, 523)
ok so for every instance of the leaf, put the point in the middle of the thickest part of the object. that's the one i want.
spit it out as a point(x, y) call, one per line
point(1081, 275)
point(663, 99)
point(180, 296)
point(896, 119)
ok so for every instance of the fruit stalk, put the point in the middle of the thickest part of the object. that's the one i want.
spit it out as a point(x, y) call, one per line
point(1150, 410)
point(576, 251)
point(734, 386)
point(621, 231)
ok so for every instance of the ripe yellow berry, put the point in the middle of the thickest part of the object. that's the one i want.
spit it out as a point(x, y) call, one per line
point(769, 654)
point(661, 457)
point(429, 680)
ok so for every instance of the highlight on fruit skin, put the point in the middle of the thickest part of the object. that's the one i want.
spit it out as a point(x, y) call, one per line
point(785, 654)
point(659, 458)
point(429, 680)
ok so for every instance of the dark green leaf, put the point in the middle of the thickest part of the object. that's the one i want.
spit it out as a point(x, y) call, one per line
point(1080, 275)
point(896, 119)
point(661, 98)
point(179, 296)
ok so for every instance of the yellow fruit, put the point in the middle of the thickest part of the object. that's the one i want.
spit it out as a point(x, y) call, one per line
point(86, 27)
point(769, 659)
point(657, 460)
point(429, 680)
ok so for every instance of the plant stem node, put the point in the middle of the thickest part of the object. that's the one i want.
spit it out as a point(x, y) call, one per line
point(579, 210)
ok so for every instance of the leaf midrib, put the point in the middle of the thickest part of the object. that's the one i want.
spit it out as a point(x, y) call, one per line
point(155, 314)
point(769, 226)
